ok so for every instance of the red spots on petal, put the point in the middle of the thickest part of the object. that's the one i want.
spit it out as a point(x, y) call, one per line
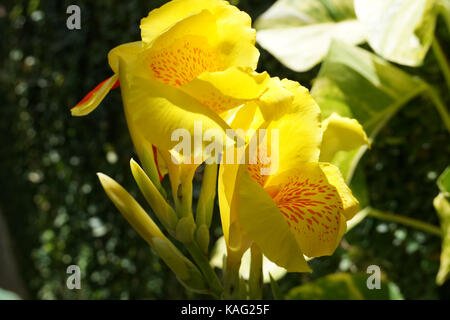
point(183, 61)
point(312, 214)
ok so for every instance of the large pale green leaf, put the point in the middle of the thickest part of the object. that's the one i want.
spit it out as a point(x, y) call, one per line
point(442, 206)
point(357, 84)
point(344, 286)
point(399, 30)
point(299, 32)
point(8, 295)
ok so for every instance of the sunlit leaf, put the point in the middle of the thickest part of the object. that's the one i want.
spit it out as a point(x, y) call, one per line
point(357, 84)
point(8, 295)
point(299, 32)
point(344, 286)
point(442, 206)
point(360, 191)
point(276, 294)
point(399, 30)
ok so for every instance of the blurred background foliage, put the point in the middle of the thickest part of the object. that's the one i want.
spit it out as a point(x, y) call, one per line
point(57, 213)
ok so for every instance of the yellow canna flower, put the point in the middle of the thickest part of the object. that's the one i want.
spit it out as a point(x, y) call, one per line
point(195, 62)
point(298, 209)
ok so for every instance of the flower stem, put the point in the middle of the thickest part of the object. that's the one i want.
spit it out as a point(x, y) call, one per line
point(444, 7)
point(205, 203)
point(405, 221)
point(440, 106)
point(256, 275)
point(442, 60)
point(203, 263)
point(233, 290)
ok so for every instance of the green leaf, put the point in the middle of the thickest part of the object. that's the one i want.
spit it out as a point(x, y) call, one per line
point(299, 32)
point(443, 182)
point(8, 295)
point(442, 206)
point(344, 286)
point(357, 84)
point(360, 191)
point(276, 293)
point(400, 31)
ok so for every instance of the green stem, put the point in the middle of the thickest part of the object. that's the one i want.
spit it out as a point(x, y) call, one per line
point(406, 221)
point(184, 192)
point(256, 275)
point(442, 60)
point(441, 108)
point(203, 263)
point(445, 12)
point(205, 203)
point(231, 278)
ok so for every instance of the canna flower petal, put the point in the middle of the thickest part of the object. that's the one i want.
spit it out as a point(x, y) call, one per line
point(297, 116)
point(265, 225)
point(341, 133)
point(215, 90)
point(128, 51)
point(350, 204)
point(91, 101)
point(234, 39)
point(312, 207)
point(156, 110)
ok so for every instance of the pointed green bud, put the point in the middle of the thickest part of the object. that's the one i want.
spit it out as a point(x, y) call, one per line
point(186, 272)
point(162, 209)
point(130, 209)
point(202, 237)
point(185, 230)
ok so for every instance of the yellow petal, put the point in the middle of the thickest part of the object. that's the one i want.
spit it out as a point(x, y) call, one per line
point(265, 225)
point(128, 52)
point(276, 101)
point(349, 202)
point(226, 183)
point(224, 90)
point(246, 117)
point(341, 133)
point(296, 121)
point(164, 18)
point(156, 111)
point(91, 101)
point(233, 38)
point(312, 207)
